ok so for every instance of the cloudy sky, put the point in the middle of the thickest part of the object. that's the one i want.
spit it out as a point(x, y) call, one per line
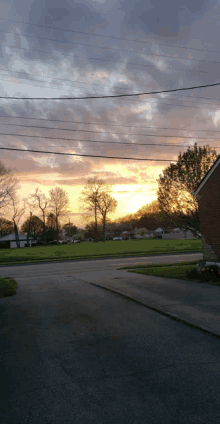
point(54, 48)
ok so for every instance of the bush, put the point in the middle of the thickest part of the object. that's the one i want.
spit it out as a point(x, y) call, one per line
point(209, 273)
point(193, 273)
point(8, 287)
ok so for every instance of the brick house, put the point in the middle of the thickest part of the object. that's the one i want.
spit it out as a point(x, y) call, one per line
point(208, 196)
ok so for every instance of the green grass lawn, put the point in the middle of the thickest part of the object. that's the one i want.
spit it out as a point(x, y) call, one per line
point(164, 270)
point(177, 270)
point(96, 250)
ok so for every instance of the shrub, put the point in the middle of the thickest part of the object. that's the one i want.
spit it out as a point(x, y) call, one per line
point(210, 273)
point(193, 273)
point(8, 287)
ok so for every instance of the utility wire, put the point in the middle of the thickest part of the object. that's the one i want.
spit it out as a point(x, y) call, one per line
point(72, 139)
point(108, 48)
point(104, 87)
point(115, 61)
point(203, 105)
point(108, 60)
point(54, 78)
point(102, 124)
point(109, 36)
point(81, 57)
point(104, 97)
point(95, 156)
point(127, 144)
point(63, 80)
point(92, 131)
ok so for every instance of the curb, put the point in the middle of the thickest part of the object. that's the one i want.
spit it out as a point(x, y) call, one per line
point(160, 311)
point(100, 258)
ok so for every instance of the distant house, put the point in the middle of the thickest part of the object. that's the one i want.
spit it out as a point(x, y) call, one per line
point(9, 241)
point(126, 234)
point(208, 196)
point(159, 230)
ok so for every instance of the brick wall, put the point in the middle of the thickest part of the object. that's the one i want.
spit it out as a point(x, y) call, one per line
point(209, 214)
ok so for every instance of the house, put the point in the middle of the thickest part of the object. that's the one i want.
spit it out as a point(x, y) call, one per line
point(127, 234)
point(159, 231)
point(208, 196)
point(177, 234)
point(9, 241)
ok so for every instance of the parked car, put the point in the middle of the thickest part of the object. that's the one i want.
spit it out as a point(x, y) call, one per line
point(53, 242)
point(77, 241)
point(117, 238)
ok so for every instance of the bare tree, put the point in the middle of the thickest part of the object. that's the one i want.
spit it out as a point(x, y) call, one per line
point(39, 200)
point(8, 187)
point(58, 203)
point(106, 204)
point(16, 211)
point(89, 200)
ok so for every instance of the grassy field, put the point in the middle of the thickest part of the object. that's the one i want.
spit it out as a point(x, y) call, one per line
point(178, 270)
point(91, 250)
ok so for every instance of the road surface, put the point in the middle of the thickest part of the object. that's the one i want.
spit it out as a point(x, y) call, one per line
point(71, 352)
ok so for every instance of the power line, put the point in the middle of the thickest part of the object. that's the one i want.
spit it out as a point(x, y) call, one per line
point(108, 48)
point(204, 104)
point(127, 144)
point(54, 78)
point(93, 156)
point(72, 139)
point(27, 77)
point(114, 96)
point(110, 36)
point(104, 87)
point(102, 124)
point(115, 61)
point(109, 60)
point(91, 131)
point(82, 57)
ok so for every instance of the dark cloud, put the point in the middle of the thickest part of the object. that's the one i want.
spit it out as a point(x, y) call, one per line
point(164, 19)
point(57, 64)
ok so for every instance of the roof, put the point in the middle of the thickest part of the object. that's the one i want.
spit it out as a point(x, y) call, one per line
point(11, 237)
point(207, 176)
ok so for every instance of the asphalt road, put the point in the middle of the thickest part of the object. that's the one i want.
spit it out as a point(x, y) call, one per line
point(71, 352)
point(90, 269)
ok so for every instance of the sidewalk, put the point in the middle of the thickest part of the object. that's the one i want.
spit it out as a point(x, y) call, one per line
point(195, 304)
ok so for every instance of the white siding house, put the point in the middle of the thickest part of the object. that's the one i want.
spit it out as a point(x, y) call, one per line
point(9, 241)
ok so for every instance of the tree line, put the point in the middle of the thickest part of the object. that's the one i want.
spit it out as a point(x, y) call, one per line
point(95, 200)
point(175, 205)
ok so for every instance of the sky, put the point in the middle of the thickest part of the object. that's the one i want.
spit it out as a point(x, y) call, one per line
point(54, 48)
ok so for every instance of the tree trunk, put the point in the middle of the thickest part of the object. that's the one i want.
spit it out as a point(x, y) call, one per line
point(104, 235)
point(16, 235)
point(95, 221)
point(29, 229)
point(57, 229)
point(44, 228)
